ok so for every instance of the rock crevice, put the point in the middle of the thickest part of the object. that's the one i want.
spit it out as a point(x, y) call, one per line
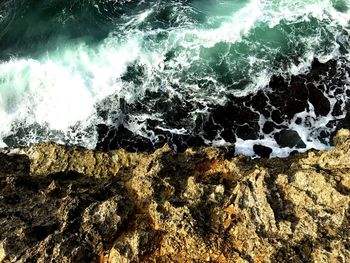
point(68, 204)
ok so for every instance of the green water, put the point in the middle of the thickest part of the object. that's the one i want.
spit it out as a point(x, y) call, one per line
point(56, 53)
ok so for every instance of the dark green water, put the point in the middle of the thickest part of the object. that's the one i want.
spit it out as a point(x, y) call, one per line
point(62, 60)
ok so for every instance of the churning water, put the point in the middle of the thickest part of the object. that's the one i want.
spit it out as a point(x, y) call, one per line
point(157, 71)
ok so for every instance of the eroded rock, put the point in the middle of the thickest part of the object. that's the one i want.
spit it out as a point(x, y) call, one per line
point(63, 204)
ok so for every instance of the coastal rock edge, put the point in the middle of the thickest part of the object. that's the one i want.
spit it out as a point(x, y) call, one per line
point(68, 204)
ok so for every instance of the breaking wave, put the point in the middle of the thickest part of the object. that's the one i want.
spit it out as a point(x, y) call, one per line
point(73, 71)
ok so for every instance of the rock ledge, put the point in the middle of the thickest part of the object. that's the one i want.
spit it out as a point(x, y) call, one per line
point(67, 204)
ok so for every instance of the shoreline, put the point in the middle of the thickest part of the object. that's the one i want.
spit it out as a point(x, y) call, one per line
point(74, 205)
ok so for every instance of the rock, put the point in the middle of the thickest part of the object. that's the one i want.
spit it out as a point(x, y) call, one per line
point(262, 151)
point(68, 204)
point(269, 127)
point(337, 108)
point(228, 135)
point(259, 101)
point(277, 116)
point(246, 116)
point(298, 88)
point(289, 138)
point(246, 132)
point(2, 252)
point(122, 137)
point(231, 113)
point(321, 104)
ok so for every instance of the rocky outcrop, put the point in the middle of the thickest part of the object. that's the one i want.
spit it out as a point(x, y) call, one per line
point(66, 204)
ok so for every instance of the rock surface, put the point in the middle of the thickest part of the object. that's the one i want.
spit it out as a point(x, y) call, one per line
point(61, 204)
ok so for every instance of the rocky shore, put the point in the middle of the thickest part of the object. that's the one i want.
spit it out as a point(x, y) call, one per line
point(315, 103)
point(66, 204)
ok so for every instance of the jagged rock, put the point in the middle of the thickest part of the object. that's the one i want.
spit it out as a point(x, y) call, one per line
point(321, 104)
point(289, 138)
point(262, 150)
point(248, 116)
point(67, 204)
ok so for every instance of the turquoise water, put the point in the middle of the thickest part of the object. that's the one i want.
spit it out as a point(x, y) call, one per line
point(61, 60)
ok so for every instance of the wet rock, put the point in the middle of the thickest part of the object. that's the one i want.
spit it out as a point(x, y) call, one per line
point(319, 69)
point(321, 104)
point(246, 132)
point(233, 113)
point(277, 116)
point(210, 129)
point(278, 83)
point(337, 108)
point(289, 138)
point(230, 153)
point(121, 137)
point(269, 127)
point(238, 117)
point(345, 123)
point(298, 88)
point(259, 101)
point(197, 141)
point(262, 150)
point(299, 121)
point(295, 106)
point(324, 136)
point(228, 135)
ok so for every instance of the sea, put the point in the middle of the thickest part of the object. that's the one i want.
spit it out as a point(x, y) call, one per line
point(272, 75)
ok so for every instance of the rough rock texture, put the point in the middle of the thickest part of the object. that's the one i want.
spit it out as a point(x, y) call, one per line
point(60, 204)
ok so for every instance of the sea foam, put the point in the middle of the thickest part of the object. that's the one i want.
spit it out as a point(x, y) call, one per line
point(61, 88)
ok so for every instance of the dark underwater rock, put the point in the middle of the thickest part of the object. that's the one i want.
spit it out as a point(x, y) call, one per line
point(122, 137)
point(289, 138)
point(262, 150)
point(249, 117)
point(321, 104)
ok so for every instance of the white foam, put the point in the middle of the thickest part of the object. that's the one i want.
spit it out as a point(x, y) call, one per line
point(61, 88)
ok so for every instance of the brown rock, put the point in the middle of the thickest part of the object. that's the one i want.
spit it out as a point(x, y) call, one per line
point(67, 204)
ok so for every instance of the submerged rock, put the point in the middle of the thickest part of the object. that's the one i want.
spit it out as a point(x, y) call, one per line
point(289, 138)
point(67, 204)
point(262, 150)
point(300, 101)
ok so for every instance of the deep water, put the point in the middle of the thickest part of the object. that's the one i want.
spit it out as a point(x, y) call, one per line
point(138, 74)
